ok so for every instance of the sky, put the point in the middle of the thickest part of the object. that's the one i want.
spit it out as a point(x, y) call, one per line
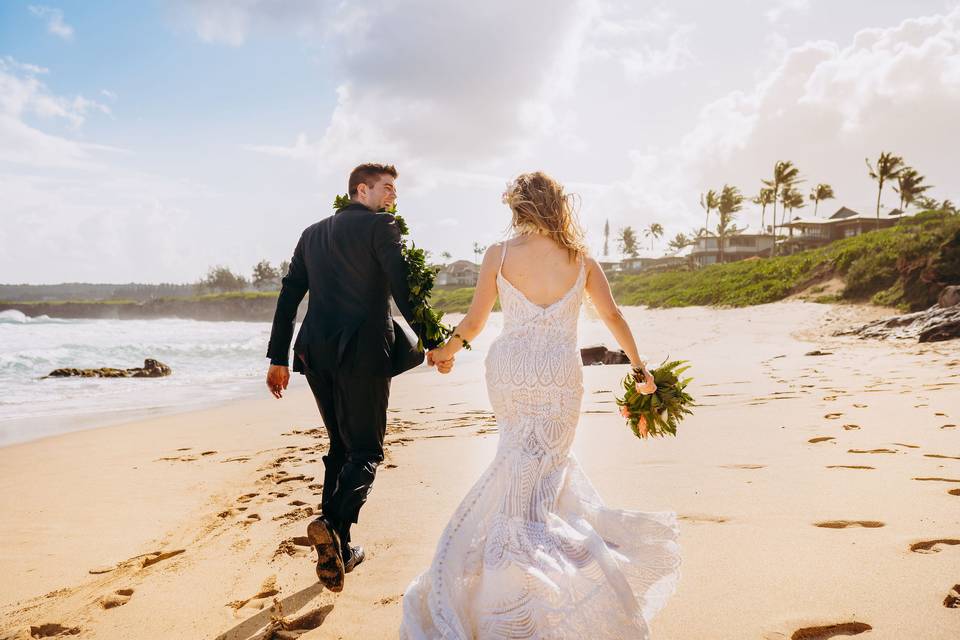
point(149, 141)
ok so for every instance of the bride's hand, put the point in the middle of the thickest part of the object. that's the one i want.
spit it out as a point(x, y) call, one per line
point(644, 380)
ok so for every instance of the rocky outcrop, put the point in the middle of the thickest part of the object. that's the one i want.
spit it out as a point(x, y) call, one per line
point(599, 354)
point(151, 369)
point(931, 325)
point(950, 296)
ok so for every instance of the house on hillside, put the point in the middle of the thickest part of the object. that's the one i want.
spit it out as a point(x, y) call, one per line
point(655, 263)
point(810, 233)
point(706, 249)
point(461, 273)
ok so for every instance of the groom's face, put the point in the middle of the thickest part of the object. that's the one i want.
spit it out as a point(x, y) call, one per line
point(382, 194)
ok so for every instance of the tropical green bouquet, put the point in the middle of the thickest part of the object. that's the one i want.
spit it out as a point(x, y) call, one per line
point(657, 413)
point(420, 279)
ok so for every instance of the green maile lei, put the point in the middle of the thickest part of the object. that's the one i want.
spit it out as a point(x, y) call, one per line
point(420, 279)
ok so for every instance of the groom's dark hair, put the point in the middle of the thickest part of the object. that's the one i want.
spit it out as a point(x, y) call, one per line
point(369, 174)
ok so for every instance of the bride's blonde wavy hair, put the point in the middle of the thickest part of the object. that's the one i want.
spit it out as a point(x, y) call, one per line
point(540, 205)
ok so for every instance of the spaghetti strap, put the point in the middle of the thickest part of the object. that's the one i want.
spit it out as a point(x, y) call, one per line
point(503, 254)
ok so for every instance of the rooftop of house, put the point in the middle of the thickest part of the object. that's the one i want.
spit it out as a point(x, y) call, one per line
point(844, 214)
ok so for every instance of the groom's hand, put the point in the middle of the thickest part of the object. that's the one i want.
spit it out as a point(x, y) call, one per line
point(278, 377)
point(443, 366)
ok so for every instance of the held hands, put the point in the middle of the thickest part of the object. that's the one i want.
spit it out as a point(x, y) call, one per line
point(278, 377)
point(439, 357)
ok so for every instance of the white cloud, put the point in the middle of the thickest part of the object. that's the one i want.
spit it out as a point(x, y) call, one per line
point(782, 7)
point(55, 22)
point(825, 107)
point(645, 47)
point(22, 95)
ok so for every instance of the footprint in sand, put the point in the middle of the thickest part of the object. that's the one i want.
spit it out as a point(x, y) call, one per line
point(158, 556)
point(297, 546)
point(260, 600)
point(820, 439)
point(932, 546)
point(849, 466)
point(295, 515)
point(859, 406)
point(118, 598)
point(831, 631)
point(954, 492)
point(948, 426)
point(743, 466)
point(952, 601)
point(832, 416)
point(904, 444)
point(247, 497)
point(940, 455)
point(703, 518)
point(52, 630)
point(851, 427)
point(282, 629)
point(871, 451)
point(939, 479)
point(844, 524)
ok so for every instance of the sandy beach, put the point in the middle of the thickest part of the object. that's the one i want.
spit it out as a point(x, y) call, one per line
point(812, 491)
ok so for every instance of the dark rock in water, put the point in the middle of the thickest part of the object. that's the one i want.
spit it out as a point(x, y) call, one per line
point(151, 369)
point(949, 297)
point(931, 325)
point(599, 354)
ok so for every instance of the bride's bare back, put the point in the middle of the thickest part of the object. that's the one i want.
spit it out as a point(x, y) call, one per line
point(539, 268)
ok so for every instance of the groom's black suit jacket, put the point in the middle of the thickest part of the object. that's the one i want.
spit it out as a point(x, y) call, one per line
point(350, 263)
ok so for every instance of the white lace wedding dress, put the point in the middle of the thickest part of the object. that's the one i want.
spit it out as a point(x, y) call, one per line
point(532, 551)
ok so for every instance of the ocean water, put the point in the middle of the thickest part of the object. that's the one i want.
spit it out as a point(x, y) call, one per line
point(211, 362)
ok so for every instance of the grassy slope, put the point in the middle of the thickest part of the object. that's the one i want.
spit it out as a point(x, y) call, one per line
point(875, 266)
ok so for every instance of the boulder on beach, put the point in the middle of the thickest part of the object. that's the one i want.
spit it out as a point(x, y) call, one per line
point(930, 325)
point(151, 369)
point(599, 354)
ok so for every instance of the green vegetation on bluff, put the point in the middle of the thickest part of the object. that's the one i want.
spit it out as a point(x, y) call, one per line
point(903, 266)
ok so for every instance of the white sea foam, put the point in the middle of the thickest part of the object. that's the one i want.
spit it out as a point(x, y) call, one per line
point(210, 360)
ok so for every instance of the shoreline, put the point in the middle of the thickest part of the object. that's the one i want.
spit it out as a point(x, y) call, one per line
point(228, 490)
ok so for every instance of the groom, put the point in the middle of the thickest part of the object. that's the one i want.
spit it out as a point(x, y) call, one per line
point(348, 347)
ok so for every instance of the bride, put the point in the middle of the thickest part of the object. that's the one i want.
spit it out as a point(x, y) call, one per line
point(532, 551)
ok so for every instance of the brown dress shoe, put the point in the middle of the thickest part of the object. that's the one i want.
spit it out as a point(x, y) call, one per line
point(356, 557)
point(326, 541)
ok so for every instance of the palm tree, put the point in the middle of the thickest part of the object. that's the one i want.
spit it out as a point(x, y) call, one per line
point(446, 255)
point(606, 237)
point(784, 175)
point(763, 198)
point(680, 241)
point(888, 168)
point(654, 230)
point(910, 187)
point(820, 192)
point(478, 250)
point(791, 199)
point(708, 201)
point(948, 206)
point(927, 203)
point(730, 202)
point(628, 242)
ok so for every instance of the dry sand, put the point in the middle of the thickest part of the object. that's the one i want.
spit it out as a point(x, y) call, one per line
point(812, 491)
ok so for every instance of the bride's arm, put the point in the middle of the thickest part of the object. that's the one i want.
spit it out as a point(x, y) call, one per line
point(598, 289)
point(483, 298)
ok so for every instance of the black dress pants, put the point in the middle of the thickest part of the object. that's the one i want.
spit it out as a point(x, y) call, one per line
point(354, 412)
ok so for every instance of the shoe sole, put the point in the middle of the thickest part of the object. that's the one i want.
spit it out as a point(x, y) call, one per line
point(330, 570)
